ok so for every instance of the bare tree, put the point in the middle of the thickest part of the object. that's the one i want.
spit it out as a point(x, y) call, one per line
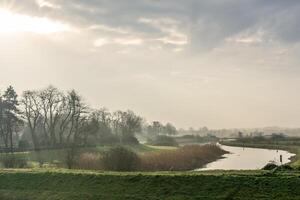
point(155, 128)
point(32, 114)
point(51, 99)
point(169, 129)
point(77, 117)
point(126, 124)
point(64, 118)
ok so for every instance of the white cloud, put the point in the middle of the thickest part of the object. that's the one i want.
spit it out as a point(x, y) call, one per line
point(101, 42)
point(118, 41)
point(248, 38)
point(17, 23)
point(178, 49)
point(109, 29)
point(44, 3)
point(128, 41)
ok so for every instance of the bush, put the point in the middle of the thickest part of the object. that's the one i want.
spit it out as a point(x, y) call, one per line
point(24, 145)
point(120, 159)
point(163, 140)
point(130, 139)
point(285, 168)
point(109, 139)
point(91, 161)
point(270, 166)
point(71, 155)
point(16, 160)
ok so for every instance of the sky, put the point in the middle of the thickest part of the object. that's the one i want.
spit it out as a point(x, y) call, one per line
point(194, 63)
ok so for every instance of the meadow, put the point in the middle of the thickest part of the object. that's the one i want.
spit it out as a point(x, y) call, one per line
point(90, 185)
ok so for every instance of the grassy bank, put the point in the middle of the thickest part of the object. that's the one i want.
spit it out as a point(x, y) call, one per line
point(64, 185)
point(295, 160)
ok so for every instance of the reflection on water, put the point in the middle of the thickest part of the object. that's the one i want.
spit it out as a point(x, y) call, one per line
point(247, 158)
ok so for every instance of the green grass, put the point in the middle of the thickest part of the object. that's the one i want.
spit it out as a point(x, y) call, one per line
point(88, 185)
point(295, 160)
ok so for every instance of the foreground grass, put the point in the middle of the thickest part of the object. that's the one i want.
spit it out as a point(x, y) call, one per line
point(75, 185)
point(295, 160)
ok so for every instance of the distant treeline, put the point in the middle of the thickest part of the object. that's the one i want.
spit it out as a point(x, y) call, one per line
point(51, 118)
point(234, 133)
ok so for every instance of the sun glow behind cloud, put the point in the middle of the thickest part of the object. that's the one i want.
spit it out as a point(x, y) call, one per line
point(15, 23)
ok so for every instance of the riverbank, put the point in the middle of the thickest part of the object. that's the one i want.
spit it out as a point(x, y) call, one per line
point(146, 158)
point(295, 160)
point(75, 185)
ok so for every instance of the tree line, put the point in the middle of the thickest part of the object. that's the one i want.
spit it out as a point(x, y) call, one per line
point(51, 118)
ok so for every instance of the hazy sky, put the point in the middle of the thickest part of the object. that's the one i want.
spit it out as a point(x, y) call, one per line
point(215, 63)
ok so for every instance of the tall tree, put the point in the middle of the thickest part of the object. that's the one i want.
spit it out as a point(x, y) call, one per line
point(2, 124)
point(126, 124)
point(51, 99)
point(32, 114)
point(77, 117)
point(169, 129)
point(102, 119)
point(155, 128)
point(64, 118)
point(11, 118)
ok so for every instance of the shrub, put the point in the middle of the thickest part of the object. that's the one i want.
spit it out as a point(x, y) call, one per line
point(120, 159)
point(24, 145)
point(163, 140)
point(91, 161)
point(16, 160)
point(270, 166)
point(71, 155)
point(285, 168)
point(130, 139)
point(109, 139)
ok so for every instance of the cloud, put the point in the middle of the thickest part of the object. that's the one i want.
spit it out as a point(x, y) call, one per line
point(119, 41)
point(170, 28)
point(44, 3)
point(249, 38)
point(202, 25)
point(17, 23)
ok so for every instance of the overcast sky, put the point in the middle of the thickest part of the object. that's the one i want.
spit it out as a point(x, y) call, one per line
point(215, 63)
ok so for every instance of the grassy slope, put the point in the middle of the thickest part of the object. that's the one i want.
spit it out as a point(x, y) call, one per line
point(58, 185)
point(295, 161)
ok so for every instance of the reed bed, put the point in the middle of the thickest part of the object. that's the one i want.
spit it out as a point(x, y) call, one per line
point(185, 158)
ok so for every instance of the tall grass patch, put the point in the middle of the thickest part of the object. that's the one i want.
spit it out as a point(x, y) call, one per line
point(185, 158)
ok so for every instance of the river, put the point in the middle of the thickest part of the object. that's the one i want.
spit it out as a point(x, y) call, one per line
point(241, 158)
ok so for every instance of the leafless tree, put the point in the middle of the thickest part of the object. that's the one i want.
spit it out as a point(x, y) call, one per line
point(126, 124)
point(32, 114)
point(51, 99)
point(77, 117)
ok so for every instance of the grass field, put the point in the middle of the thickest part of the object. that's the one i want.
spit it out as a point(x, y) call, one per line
point(88, 185)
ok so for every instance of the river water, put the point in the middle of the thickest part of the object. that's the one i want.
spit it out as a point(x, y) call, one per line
point(241, 158)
